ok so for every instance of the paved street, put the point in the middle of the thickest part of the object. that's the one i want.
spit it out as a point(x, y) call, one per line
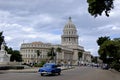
point(81, 73)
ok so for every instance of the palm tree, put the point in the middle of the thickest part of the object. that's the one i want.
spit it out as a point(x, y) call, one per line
point(38, 54)
point(51, 54)
point(58, 50)
point(80, 54)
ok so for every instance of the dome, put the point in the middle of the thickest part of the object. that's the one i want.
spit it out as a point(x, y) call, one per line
point(69, 25)
point(70, 37)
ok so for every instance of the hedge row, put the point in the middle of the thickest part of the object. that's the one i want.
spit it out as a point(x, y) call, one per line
point(11, 67)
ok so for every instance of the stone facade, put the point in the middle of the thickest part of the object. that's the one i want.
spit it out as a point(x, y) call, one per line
point(69, 47)
point(86, 57)
point(29, 51)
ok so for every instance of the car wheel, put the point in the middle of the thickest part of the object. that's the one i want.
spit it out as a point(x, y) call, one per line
point(59, 73)
point(53, 73)
point(42, 74)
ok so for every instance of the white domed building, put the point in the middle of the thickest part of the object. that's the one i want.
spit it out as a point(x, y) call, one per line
point(69, 48)
point(70, 37)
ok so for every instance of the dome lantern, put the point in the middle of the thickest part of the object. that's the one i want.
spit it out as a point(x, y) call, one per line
point(69, 25)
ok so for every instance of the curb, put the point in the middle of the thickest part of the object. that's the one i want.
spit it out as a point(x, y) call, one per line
point(114, 71)
point(26, 70)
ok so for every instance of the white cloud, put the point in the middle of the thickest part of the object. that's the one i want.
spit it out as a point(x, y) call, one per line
point(109, 27)
point(89, 43)
point(42, 18)
point(34, 21)
point(27, 29)
point(8, 26)
point(31, 36)
point(8, 38)
point(50, 37)
point(115, 28)
point(4, 14)
point(93, 50)
point(105, 27)
point(115, 12)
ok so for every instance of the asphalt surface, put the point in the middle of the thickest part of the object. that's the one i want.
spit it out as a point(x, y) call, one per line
point(78, 73)
point(29, 70)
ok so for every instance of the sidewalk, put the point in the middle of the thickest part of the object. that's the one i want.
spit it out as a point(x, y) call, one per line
point(28, 70)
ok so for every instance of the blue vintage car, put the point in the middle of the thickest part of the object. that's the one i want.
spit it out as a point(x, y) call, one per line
point(49, 68)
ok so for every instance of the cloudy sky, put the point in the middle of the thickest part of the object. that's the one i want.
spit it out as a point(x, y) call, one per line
point(44, 20)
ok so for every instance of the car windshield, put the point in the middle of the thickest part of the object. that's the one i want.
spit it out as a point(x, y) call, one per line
point(48, 65)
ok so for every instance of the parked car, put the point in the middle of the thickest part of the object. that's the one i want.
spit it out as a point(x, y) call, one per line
point(105, 67)
point(49, 68)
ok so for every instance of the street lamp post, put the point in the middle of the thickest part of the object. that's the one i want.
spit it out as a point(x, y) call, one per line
point(54, 55)
point(55, 58)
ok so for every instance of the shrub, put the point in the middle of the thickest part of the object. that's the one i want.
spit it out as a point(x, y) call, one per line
point(11, 67)
point(40, 64)
point(116, 66)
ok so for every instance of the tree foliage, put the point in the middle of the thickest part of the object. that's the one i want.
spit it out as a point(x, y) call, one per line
point(80, 54)
point(51, 53)
point(101, 40)
point(9, 50)
point(109, 52)
point(94, 59)
point(59, 50)
point(38, 53)
point(97, 7)
point(16, 56)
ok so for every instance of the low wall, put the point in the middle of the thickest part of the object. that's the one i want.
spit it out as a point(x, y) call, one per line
point(14, 63)
point(9, 63)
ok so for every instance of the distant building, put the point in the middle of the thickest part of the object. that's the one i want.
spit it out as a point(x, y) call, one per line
point(69, 48)
point(29, 51)
point(86, 57)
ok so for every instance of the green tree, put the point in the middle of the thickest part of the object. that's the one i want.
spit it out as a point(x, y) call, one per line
point(110, 49)
point(38, 54)
point(51, 53)
point(1, 38)
point(16, 56)
point(80, 54)
point(102, 50)
point(101, 40)
point(102, 53)
point(94, 59)
point(109, 52)
point(59, 50)
point(117, 39)
point(9, 50)
point(97, 7)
